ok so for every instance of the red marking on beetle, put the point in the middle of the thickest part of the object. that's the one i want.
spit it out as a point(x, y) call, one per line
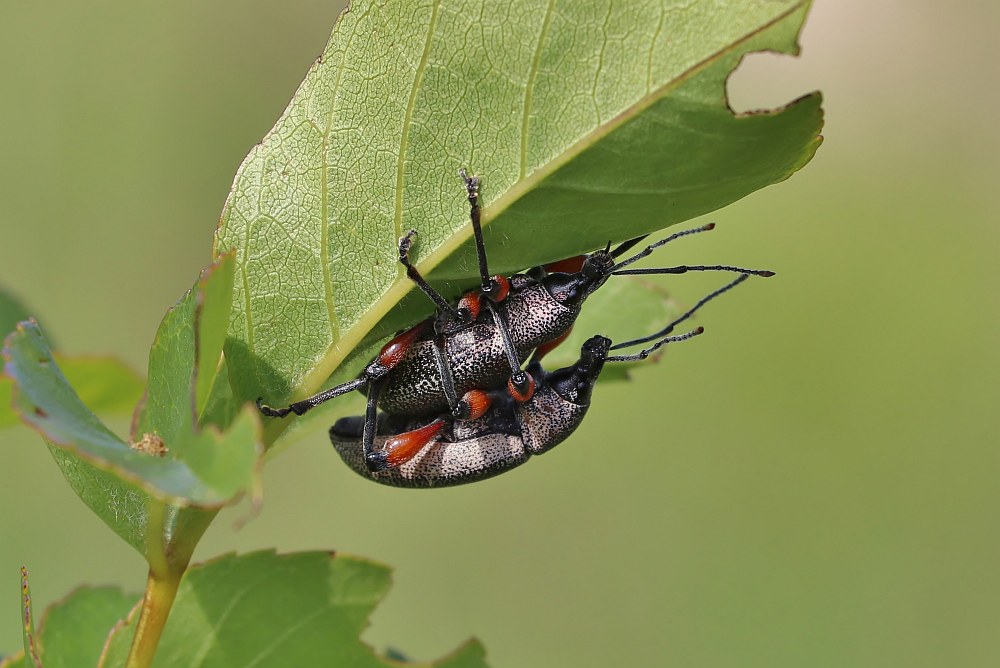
point(471, 303)
point(403, 447)
point(571, 265)
point(521, 397)
point(478, 401)
point(393, 352)
point(546, 348)
point(503, 284)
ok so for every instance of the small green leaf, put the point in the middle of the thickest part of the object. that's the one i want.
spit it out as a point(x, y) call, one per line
point(204, 467)
point(184, 357)
point(105, 384)
point(74, 630)
point(13, 661)
point(184, 364)
point(45, 401)
point(305, 609)
point(12, 311)
point(587, 121)
point(121, 505)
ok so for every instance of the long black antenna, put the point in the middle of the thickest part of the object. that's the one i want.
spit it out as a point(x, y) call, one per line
point(685, 268)
point(650, 248)
point(669, 328)
point(643, 354)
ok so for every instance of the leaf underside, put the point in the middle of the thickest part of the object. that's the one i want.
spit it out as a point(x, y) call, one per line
point(587, 121)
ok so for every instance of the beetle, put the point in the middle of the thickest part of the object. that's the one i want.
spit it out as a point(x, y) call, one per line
point(505, 432)
point(444, 362)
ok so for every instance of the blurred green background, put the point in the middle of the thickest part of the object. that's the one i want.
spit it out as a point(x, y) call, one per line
point(813, 483)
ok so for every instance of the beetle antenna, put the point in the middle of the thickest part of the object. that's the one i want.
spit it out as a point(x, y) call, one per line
point(646, 352)
point(691, 311)
point(650, 248)
point(685, 268)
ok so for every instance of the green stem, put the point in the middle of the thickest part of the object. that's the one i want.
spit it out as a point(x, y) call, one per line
point(171, 536)
point(156, 603)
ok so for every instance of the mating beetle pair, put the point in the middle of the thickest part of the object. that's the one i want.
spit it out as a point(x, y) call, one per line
point(451, 369)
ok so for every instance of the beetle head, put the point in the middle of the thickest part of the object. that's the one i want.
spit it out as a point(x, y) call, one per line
point(575, 383)
point(571, 289)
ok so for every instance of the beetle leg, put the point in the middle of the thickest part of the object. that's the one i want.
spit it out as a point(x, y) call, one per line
point(376, 460)
point(390, 355)
point(495, 288)
point(403, 447)
point(472, 406)
point(440, 302)
point(518, 378)
point(521, 393)
point(472, 191)
point(444, 370)
point(300, 407)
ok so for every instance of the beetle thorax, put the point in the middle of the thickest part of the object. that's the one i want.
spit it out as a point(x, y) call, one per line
point(536, 318)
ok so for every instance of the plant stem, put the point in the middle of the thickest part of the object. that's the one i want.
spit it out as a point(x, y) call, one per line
point(161, 588)
point(171, 536)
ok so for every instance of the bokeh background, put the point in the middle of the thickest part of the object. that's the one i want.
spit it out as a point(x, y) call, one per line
point(814, 483)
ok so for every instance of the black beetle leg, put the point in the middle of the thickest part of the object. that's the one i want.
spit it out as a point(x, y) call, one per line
point(375, 459)
point(492, 288)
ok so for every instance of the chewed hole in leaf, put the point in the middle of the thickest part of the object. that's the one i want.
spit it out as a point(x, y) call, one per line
point(765, 80)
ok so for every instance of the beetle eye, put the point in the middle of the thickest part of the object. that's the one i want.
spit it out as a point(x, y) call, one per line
point(590, 268)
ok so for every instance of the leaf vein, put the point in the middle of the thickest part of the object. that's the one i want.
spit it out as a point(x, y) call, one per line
point(290, 631)
point(198, 658)
point(652, 50)
point(325, 195)
point(418, 79)
point(530, 87)
point(600, 62)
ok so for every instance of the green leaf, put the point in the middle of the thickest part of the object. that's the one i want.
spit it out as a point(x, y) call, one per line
point(305, 609)
point(121, 505)
point(204, 467)
point(587, 121)
point(73, 631)
point(105, 384)
point(45, 401)
point(185, 356)
point(13, 661)
point(12, 311)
